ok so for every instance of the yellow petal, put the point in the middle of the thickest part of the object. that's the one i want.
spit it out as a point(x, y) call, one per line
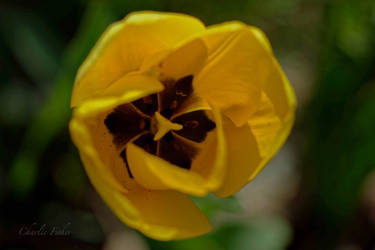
point(281, 94)
point(242, 158)
point(169, 215)
point(149, 211)
point(232, 80)
point(153, 172)
point(185, 60)
point(270, 131)
point(211, 162)
point(162, 215)
point(279, 140)
point(193, 103)
point(250, 147)
point(90, 135)
point(127, 89)
point(280, 91)
point(124, 45)
point(265, 125)
point(91, 159)
point(275, 85)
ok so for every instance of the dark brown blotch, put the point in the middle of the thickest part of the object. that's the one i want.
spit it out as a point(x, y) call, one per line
point(147, 105)
point(195, 124)
point(124, 123)
point(130, 120)
point(176, 151)
point(147, 142)
point(174, 94)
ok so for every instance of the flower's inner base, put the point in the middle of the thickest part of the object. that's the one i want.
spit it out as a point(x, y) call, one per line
point(154, 124)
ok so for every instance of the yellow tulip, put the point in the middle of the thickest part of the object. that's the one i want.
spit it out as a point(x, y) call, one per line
point(165, 107)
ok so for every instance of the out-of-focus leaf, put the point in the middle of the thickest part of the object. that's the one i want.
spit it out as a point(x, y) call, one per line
point(22, 175)
point(20, 102)
point(212, 204)
point(78, 224)
point(268, 233)
point(354, 30)
point(55, 113)
point(70, 177)
point(340, 145)
point(199, 243)
point(32, 43)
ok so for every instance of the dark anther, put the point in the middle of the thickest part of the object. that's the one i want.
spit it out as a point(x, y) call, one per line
point(125, 159)
point(147, 105)
point(142, 124)
point(181, 93)
point(147, 99)
point(196, 125)
point(174, 105)
point(191, 124)
point(184, 86)
point(124, 123)
point(175, 94)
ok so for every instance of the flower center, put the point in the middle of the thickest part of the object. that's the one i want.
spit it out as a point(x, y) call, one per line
point(154, 124)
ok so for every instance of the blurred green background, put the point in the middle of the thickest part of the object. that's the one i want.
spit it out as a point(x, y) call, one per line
point(318, 192)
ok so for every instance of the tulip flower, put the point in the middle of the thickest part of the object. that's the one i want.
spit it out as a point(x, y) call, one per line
point(165, 108)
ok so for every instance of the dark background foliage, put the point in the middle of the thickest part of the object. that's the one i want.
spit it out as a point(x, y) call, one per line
point(318, 192)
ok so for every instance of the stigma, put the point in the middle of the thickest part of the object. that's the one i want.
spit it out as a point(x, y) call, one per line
point(160, 126)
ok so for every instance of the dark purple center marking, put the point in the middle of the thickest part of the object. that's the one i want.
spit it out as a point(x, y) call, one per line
point(132, 122)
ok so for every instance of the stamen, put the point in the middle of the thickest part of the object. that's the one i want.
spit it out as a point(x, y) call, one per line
point(142, 124)
point(172, 97)
point(174, 105)
point(125, 159)
point(180, 93)
point(147, 99)
point(147, 105)
point(191, 124)
point(124, 123)
point(196, 125)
